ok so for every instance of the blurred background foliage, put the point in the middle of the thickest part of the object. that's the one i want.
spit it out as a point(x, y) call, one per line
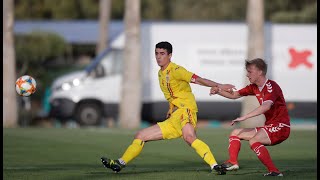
point(282, 11)
point(37, 47)
point(42, 55)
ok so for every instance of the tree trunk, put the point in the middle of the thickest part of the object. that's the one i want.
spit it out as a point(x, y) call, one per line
point(104, 18)
point(255, 21)
point(130, 105)
point(10, 117)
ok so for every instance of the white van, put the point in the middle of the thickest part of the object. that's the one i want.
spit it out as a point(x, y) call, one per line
point(212, 50)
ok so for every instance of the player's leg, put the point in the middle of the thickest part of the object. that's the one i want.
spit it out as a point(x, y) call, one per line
point(189, 135)
point(257, 145)
point(148, 134)
point(234, 146)
point(151, 133)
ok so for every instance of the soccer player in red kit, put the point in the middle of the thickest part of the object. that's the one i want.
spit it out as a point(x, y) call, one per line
point(272, 105)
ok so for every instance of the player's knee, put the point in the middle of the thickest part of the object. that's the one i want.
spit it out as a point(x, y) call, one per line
point(140, 135)
point(253, 140)
point(235, 132)
point(189, 138)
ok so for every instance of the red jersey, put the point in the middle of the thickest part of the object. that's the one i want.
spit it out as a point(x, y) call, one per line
point(270, 91)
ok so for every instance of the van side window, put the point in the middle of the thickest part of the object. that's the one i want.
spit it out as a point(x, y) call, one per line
point(99, 71)
point(117, 61)
point(110, 65)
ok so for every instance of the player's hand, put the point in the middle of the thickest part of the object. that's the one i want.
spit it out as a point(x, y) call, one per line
point(227, 87)
point(237, 120)
point(214, 90)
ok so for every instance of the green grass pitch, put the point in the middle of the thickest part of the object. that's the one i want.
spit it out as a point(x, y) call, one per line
point(58, 153)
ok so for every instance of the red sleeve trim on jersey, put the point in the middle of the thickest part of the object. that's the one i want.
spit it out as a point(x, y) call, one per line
point(193, 78)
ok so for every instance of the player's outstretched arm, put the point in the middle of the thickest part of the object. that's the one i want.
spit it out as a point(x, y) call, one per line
point(226, 94)
point(256, 112)
point(206, 82)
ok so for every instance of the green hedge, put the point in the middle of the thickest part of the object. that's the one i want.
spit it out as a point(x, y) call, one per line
point(38, 47)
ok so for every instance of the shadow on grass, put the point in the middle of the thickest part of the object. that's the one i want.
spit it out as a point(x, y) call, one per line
point(248, 168)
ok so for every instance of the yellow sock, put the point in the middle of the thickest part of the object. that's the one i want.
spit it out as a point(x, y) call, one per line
point(133, 150)
point(204, 151)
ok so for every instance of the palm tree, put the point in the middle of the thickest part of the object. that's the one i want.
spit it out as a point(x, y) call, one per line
point(255, 21)
point(10, 117)
point(130, 105)
point(104, 18)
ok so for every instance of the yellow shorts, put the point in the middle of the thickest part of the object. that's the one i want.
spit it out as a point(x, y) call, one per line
point(172, 127)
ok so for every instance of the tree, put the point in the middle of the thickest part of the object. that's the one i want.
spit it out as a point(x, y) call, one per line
point(255, 21)
point(130, 105)
point(10, 117)
point(104, 18)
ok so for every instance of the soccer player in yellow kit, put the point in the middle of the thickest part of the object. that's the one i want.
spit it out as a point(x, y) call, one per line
point(182, 115)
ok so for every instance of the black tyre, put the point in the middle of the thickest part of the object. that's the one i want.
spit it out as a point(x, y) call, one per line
point(88, 114)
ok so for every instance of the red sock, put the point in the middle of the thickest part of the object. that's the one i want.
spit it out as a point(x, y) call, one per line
point(264, 156)
point(234, 148)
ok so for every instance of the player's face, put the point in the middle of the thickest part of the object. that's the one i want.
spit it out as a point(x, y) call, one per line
point(162, 57)
point(253, 73)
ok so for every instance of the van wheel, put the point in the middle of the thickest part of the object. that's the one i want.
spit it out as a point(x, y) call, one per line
point(88, 114)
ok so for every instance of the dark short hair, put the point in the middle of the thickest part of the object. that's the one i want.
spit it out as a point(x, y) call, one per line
point(259, 63)
point(165, 45)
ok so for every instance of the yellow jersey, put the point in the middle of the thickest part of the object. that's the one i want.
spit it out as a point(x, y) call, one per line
point(175, 84)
